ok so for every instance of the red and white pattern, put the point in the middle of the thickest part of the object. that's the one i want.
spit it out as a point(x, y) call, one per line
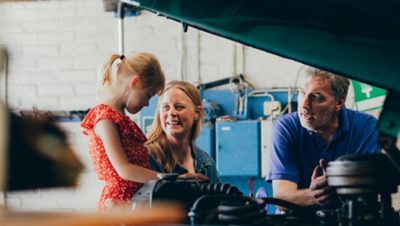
point(116, 190)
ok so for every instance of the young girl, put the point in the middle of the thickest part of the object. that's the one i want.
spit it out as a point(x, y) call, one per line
point(116, 142)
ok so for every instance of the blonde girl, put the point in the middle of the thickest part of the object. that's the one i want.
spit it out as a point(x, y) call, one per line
point(116, 143)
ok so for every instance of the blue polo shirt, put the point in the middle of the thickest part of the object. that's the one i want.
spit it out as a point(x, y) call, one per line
point(295, 151)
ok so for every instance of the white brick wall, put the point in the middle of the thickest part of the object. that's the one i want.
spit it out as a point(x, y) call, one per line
point(56, 47)
point(66, 42)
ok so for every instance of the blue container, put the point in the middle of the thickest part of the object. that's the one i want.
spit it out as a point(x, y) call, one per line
point(238, 148)
point(206, 139)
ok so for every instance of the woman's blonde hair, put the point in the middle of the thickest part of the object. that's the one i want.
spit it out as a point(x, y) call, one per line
point(157, 140)
point(144, 64)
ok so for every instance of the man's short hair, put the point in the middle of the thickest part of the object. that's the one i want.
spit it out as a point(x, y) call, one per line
point(339, 84)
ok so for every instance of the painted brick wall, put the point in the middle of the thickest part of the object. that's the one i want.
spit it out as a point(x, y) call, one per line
point(56, 48)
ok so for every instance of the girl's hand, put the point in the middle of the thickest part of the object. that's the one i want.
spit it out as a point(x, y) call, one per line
point(194, 176)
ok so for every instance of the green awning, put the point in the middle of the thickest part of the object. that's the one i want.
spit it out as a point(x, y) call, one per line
point(359, 38)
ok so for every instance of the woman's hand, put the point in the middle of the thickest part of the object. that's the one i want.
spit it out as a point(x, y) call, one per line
point(194, 176)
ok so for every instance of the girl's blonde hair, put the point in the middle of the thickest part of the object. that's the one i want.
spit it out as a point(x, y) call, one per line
point(157, 142)
point(144, 64)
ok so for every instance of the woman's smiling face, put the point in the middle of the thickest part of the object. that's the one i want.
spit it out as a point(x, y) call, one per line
point(177, 113)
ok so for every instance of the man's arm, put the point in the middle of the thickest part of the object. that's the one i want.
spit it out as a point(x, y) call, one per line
point(319, 193)
point(287, 190)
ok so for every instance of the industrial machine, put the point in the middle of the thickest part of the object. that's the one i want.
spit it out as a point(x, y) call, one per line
point(185, 192)
point(217, 203)
point(364, 192)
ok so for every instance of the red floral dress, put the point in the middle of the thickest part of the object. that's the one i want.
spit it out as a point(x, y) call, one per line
point(116, 190)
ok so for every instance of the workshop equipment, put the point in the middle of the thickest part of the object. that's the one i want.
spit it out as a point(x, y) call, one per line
point(211, 110)
point(241, 91)
point(216, 203)
point(238, 147)
point(364, 183)
point(170, 188)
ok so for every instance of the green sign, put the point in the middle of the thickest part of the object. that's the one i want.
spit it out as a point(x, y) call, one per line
point(367, 97)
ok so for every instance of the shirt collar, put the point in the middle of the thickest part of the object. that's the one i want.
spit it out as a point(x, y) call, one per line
point(200, 162)
point(343, 120)
point(200, 159)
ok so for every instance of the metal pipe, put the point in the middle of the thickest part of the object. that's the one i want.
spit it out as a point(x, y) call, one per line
point(121, 14)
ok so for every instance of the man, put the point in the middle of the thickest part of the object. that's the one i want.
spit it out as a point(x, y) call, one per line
point(323, 129)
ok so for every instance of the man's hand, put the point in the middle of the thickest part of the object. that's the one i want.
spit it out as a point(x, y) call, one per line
point(321, 193)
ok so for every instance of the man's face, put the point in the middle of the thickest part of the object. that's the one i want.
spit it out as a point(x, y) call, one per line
point(316, 104)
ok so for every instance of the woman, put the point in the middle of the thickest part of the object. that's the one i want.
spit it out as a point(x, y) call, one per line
point(177, 124)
